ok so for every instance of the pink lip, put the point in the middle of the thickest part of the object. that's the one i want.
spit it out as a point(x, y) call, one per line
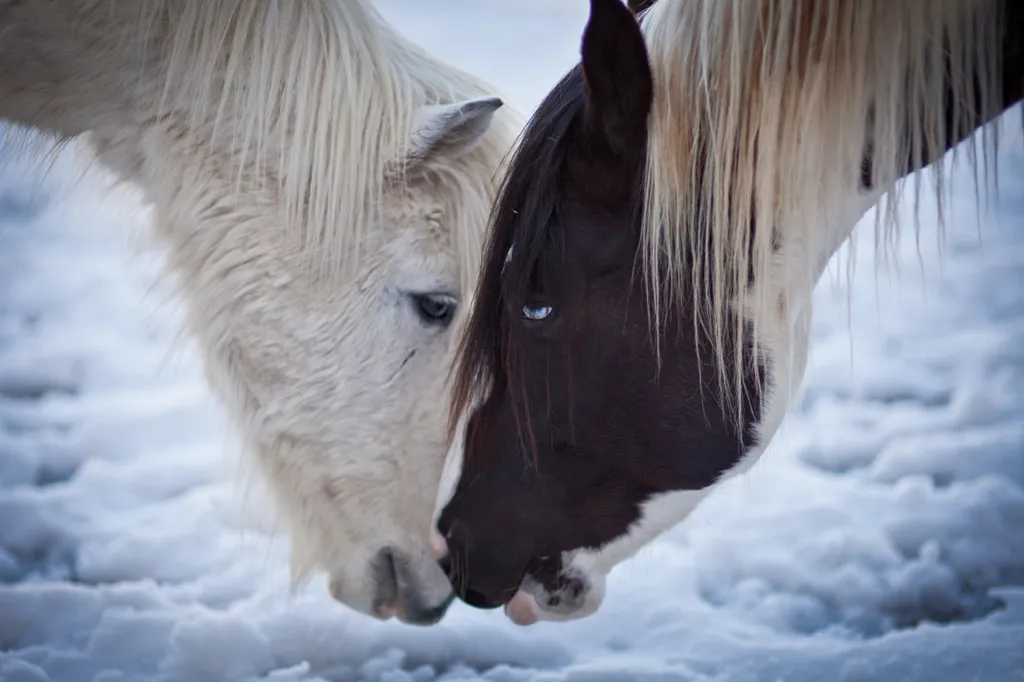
point(522, 609)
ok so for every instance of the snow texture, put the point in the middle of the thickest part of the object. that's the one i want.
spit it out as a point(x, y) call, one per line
point(881, 539)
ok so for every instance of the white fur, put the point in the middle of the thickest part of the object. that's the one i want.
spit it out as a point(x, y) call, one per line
point(714, 71)
point(309, 168)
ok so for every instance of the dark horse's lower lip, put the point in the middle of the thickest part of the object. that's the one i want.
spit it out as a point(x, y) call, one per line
point(479, 601)
point(475, 598)
point(482, 601)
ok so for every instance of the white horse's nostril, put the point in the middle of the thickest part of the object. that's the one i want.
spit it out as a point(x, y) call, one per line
point(438, 546)
point(424, 591)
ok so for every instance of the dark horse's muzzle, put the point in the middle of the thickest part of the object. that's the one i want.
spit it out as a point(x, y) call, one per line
point(482, 579)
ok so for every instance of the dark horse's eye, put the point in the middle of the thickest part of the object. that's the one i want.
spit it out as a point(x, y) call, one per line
point(537, 312)
point(435, 309)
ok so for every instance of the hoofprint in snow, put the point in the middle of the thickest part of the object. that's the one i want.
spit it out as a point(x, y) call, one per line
point(880, 538)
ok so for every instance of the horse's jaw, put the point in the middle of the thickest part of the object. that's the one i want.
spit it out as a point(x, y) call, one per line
point(780, 307)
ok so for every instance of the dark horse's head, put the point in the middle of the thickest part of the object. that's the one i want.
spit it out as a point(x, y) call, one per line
point(580, 444)
point(591, 423)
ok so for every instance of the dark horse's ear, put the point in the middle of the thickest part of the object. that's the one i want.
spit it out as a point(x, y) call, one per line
point(617, 76)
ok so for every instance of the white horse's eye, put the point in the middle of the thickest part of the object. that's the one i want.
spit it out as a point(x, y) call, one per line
point(435, 309)
point(538, 312)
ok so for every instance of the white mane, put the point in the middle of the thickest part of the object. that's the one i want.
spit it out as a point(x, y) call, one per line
point(331, 154)
point(760, 118)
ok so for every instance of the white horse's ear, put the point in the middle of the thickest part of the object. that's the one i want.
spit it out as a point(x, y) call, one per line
point(448, 130)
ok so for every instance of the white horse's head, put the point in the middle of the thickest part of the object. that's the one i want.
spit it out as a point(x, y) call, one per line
point(321, 187)
point(338, 377)
point(367, 387)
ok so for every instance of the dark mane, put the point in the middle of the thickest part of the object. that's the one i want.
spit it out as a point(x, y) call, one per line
point(526, 207)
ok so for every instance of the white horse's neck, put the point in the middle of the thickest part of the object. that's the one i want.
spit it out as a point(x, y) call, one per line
point(66, 72)
point(237, 78)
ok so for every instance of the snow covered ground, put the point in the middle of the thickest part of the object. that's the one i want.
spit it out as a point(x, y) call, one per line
point(880, 540)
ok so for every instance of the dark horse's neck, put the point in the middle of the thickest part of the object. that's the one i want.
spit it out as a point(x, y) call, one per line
point(1011, 92)
point(1012, 86)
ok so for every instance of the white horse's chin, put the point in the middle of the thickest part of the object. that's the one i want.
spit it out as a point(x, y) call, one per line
point(395, 584)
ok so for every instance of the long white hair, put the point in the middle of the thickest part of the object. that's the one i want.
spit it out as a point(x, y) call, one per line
point(319, 96)
point(762, 116)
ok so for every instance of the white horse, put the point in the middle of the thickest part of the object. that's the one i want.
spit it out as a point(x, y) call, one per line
point(321, 186)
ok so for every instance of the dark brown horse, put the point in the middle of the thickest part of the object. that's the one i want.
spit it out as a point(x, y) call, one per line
point(642, 317)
